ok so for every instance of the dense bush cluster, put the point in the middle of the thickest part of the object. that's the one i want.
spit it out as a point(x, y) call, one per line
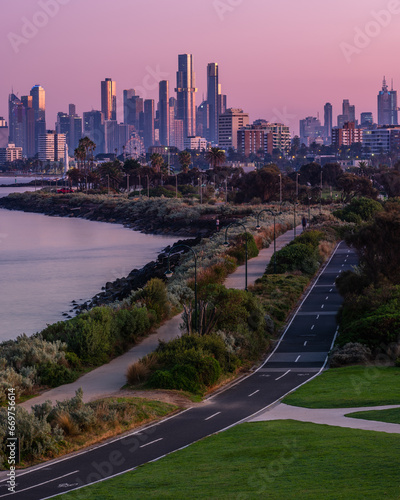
point(371, 311)
point(58, 354)
point(304, 254)
point(49, 428)
point(196, 362)
point(358, 210)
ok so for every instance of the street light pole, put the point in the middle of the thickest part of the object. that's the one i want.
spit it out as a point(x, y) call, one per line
point(148, 186)
point(258, 227)
point(280, 191)
point(246, 252)
point(320, 200)
point(169, 273)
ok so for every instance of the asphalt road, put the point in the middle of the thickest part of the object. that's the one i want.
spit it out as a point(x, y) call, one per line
point(299, 356)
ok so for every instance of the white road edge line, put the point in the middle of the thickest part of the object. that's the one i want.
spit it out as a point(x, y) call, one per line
point(151, 442)
point(282, 375)
point(252, 394)
point(212, 416)
point(239, 421)
point(41, 484)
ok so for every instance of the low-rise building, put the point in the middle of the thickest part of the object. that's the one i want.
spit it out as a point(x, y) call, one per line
point(10, 153)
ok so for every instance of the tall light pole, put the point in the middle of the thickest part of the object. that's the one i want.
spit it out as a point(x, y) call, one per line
point(280, 190)
point(297, 186)
point(169, 273)
point(226, 190)
point(246, 253)
point(148, 186)
point(320, 200)
point(108, 185)
point(258, 227)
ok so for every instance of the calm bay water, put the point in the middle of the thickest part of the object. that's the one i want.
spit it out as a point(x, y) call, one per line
point(46, 262)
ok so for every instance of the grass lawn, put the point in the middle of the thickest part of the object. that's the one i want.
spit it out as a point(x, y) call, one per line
point(350, 386)
point(390, 416)
point(283, 460)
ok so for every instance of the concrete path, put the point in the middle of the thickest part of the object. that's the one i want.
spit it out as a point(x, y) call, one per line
point(335, 416)
point(256, 266)
point(108, 379)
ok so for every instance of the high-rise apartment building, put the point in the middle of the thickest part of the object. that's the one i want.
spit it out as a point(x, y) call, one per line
point(52, 146)
point(39, 105)
point(10, 153)
point(228, 125)
point(109, 99)
point(347, 135)
point(328, 122)
point(164, 114)
point(185, 93)
point(3, 133)
point(263, 137)
point(387, 105)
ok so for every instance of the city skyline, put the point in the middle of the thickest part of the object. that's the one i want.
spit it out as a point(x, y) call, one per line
point(248, 40)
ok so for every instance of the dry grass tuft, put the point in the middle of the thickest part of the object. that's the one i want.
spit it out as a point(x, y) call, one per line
point(137, 372)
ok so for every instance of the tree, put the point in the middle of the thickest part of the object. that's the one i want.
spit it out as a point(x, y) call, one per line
point(378, 245)
point(110, 173)
point(215, 157)
point(157, 161)
point(84, 151)
point(185, 159)
point(352, 185)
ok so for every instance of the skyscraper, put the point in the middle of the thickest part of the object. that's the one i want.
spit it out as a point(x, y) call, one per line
point(164, 114)
point(93, 127)
point(212, 101)
point(39, 106)
point(148, 123)
point(387, 105)
point(328, 122)
point(109, 99)
point(127, 96)
point(185, 89)
point(348, 114)
point(3, 133)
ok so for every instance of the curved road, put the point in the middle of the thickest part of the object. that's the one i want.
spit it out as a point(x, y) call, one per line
point(300, 355)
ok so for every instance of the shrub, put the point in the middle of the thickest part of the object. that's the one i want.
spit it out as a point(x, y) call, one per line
point(54, 375)
point(155, 297)
point(352, 353)
point(359, 209)
point(295, 257)
point(137, 372)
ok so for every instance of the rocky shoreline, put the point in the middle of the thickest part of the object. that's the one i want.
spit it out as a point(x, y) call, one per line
point(121, 288)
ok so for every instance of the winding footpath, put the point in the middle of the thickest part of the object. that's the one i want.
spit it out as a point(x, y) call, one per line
point(107, 380)
point(300, 355)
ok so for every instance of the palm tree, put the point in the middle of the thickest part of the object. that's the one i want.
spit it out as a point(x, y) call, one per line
point(215, 157)
point(185, 159)
point(157, 161)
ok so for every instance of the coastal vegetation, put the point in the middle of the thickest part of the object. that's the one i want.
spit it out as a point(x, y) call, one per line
point(52, 430)
point(370, 317)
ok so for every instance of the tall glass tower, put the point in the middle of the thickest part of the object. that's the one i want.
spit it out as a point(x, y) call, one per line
point(212, 100)
point(109, 99)
point(387, 105)
point(39, 105)
point(185, 90)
